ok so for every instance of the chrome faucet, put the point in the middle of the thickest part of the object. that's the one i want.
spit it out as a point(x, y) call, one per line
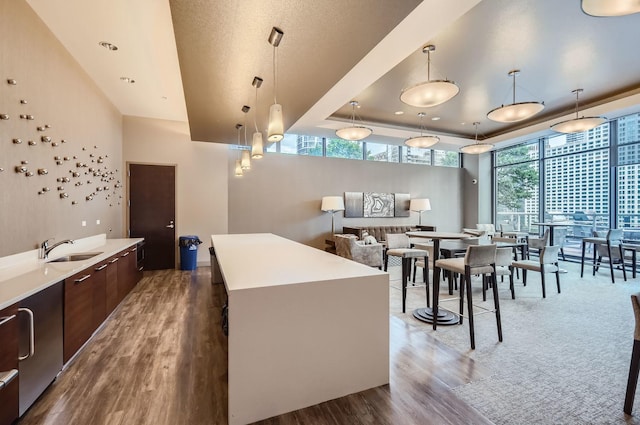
point(45, 249)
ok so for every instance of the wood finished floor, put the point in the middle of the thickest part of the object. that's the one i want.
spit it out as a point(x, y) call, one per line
point(161, 359)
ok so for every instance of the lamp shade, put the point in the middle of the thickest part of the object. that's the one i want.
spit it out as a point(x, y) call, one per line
point(238, 169)
point(354, 133)
point(276, 132)
point(332, 203)
point(420, 205)
point(578, 125)
point(257, 146)
point(245, 161)
point(429, 93)
point(610, 7)
point(476, 148)
point(515, 112)
point(422, 141)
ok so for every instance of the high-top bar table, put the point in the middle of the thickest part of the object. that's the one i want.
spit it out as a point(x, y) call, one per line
point(305, 326)
point(425, 314)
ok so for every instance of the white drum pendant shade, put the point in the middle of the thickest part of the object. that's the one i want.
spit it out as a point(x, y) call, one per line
point(276, 132)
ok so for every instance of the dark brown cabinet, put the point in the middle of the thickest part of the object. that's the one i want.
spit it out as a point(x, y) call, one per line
point(112, 283)
point(126, 269)
point(9, 365)
point(78, 311)
point(99, 290)
point(92, 294)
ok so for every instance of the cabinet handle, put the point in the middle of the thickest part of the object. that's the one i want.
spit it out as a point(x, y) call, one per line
point(134, 249)
point(4, 320)
point(102, 267)
point(140, 268)
point(125, 254)
point(7, 377)
point(32, 347)
point(83, 278)
point(113, 261)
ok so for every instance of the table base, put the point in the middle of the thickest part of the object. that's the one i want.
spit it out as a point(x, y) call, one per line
point(445, 318)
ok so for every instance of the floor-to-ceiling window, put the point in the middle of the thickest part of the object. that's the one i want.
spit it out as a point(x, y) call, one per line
point(589, 180)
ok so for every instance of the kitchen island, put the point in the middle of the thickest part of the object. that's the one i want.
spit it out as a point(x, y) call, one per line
point(305, 326)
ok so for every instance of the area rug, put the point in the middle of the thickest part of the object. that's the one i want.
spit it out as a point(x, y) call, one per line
point(563, 360)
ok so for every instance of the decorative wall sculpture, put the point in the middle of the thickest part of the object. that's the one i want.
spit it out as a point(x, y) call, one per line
point(376, 205)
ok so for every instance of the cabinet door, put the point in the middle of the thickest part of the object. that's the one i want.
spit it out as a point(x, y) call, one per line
point(112, 283)
point(9, 362)
point(124, 274)
point(99, 289)
point(78, 311)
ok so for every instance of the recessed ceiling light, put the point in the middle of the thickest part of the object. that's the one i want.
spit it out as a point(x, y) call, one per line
point(462, 123)
point(435, 119)
point(164, 97)
point(128, 80)
point(108, 45)
point(399, 112)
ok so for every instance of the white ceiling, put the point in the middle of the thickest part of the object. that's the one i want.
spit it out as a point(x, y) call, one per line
point(334, 51)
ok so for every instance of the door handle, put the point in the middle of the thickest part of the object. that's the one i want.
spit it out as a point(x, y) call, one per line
point(170, 225)
point(31, 334)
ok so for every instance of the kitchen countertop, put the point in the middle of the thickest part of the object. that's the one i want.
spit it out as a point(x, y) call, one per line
point(24, 274)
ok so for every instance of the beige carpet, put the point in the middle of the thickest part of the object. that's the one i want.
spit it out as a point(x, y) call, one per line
point(564, 359)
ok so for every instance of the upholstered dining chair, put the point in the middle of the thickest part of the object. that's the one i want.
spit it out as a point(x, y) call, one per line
point(399, 245)
point(349, 247)
point(538, 243)
point(504, 268)
point(478, 260)
point(634, 368)
point(547, 263)
point(606, 245)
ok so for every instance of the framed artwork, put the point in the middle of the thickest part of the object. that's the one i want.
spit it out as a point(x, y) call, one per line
point(402, 204)
point(353, 204)
point(379, 204)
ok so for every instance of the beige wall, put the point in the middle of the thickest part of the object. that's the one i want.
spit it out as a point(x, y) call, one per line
point(201, 174)
point(60, 94)
point(281, 194)
point(477, 199)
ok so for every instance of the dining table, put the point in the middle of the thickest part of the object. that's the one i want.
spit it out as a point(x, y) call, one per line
point(425, 314)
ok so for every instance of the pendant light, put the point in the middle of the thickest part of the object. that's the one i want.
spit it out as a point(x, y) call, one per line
point(610, 7)
point(421, 141)
point(476, 148)
point(276, 127)
point(246, 153)
point(257, 146)
point(431, 92)
point(238, 169)
point(578, 125)
point(354, 132)
point(516, 111)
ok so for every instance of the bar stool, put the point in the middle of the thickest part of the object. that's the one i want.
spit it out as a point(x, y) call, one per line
point(634, 368)
point(479, 260)
point(399, 245)
point(602, 247)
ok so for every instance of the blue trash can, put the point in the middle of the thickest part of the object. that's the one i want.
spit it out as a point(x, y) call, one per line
point(188, 251)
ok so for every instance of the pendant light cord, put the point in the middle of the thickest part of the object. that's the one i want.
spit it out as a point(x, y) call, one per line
point(255, 113)
point(514, 93)
point(275, 80)
point(577, 94)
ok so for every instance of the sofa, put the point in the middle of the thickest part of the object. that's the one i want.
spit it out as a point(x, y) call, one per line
point(380, 232)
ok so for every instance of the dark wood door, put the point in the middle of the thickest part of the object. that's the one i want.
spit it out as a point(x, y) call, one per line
point(152, 212)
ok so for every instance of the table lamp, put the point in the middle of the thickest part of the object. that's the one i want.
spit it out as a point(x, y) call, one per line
point(332, 204)
point(419, 205)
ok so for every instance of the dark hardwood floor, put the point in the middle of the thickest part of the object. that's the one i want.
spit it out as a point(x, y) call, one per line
point(161, 359)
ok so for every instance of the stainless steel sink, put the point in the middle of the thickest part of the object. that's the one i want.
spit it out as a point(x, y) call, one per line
point(75, 257)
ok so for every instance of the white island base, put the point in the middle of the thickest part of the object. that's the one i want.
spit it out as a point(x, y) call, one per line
point(305, 326)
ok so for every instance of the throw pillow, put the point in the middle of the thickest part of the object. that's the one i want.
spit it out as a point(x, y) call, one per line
point(368, 240)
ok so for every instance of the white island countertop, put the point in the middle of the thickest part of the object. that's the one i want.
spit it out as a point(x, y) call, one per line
point(305, 326)
point(259, 260)
point(24, 274)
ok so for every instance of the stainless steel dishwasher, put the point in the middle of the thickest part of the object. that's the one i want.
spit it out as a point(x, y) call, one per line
point(40, 353)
